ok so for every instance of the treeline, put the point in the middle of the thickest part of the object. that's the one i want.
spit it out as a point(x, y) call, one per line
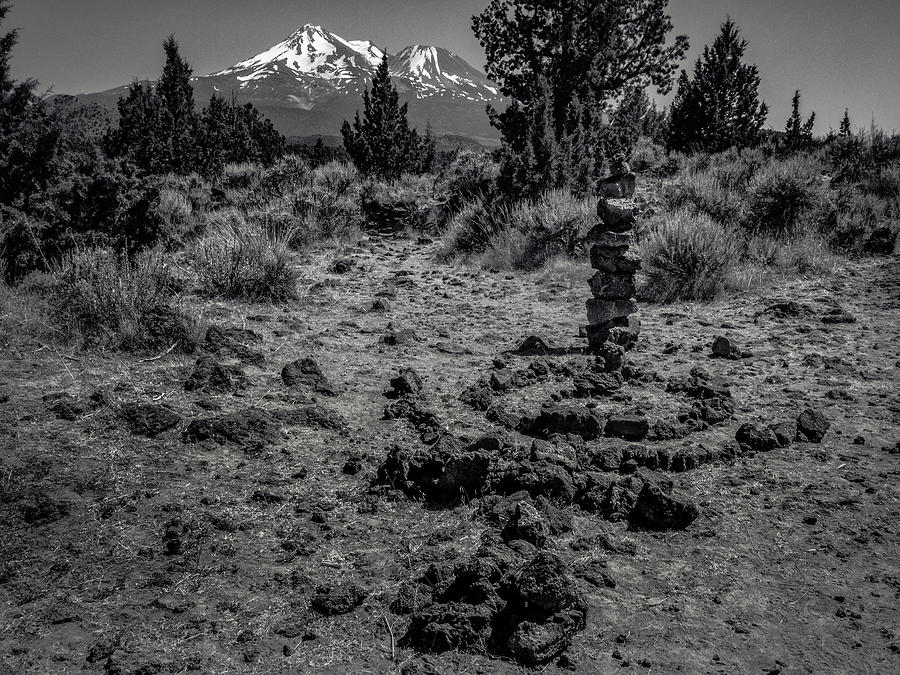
point(160, 131)
point(64, 187)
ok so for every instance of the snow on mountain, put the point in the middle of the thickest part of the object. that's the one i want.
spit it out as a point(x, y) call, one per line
point(315, 62)
point(435, 71)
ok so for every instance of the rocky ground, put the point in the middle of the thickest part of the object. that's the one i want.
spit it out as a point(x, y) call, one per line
point(263, 505)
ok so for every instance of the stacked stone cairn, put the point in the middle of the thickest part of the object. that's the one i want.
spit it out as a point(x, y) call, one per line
point(611, 324)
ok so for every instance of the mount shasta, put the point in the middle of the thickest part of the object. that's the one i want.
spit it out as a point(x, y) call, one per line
point(312, 81)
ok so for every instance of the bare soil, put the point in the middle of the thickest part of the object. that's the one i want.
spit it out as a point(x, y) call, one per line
point(124, 553)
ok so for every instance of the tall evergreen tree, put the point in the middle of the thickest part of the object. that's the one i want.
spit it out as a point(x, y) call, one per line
point(16, 101)
point(797, 133)
point(845, 130)
point(718, 108)
point(381, 142)
point(589, 51)
point(177, 96)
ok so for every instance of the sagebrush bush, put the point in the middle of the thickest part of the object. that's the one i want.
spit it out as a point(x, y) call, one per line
point(246, 258)
point(787, 197)
point(470, 176)
point(398, 205)
point(651, 158)
point(687, 256)
point(704, 193)
point(471, 230)
point(806, 254)
point(521, 235)
point(327, 206)
point(103, 299)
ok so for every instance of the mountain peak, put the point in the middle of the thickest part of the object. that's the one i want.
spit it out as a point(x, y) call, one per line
point(315, 62)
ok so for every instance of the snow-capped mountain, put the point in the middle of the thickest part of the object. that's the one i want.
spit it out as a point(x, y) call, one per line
point(311, 82)
point(312, 63)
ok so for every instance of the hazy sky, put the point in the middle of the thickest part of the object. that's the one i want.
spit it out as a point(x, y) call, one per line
point(840, 54)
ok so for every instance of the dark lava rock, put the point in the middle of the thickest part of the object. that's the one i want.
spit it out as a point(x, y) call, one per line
point(212, 377)
point(538, 643)
point(564, 419)
point(342, 266)
point(334, 599)
point(69, 408)
point(305, 373)
point(501, 380)
point(42, 508)
point(723, 348)
point(882, 241)
point(250, 427)
point(615, 218)
point(448, 626)
point(627, 427)
point(313, 417)
point(712, 398)
point(788, 309)
point(785, 433)
point(149, 420)
point(381, 305)
point(174, 536)
point(233, 342)
point(539, 479)
point(423, 419)
point(754, 438)
point(478, 396)
point(532, 346)
point(812, 426)
point(353, 466)
point(544, 610)
point(444, 472)
point(396, 338)
point(838, 315)
point(406, 384)
point(527, 524)
point(657, 510)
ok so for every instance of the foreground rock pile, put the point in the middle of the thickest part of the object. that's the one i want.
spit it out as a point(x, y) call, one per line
point(611, 308)
point(514, 596)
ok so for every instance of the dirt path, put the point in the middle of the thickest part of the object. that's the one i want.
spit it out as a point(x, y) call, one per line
point(121, 553)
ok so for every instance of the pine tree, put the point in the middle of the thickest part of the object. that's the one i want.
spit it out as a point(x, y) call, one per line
point(719, 108)
point(177, 96)
point(16, 101)
point(381, 142)
point(797, 133)
point(845, 130)
point(590, 50)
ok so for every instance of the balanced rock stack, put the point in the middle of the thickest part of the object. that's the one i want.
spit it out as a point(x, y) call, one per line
point(610, 310)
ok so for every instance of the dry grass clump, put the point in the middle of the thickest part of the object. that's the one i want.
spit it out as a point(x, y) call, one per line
point(101, 299)
point(246, 258)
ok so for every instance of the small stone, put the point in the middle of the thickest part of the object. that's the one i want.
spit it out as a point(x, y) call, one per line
point(812, 426)
point(722, 346)
point(785, 433)
point(619, 185)
point(528, 524)
point(615, 218)
point(600, 236)
point(627, 427)
point(331, 600)
point(614, 263)
point(501, 380)
point(603, 311)
point(754, 438)
point(613, 286)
